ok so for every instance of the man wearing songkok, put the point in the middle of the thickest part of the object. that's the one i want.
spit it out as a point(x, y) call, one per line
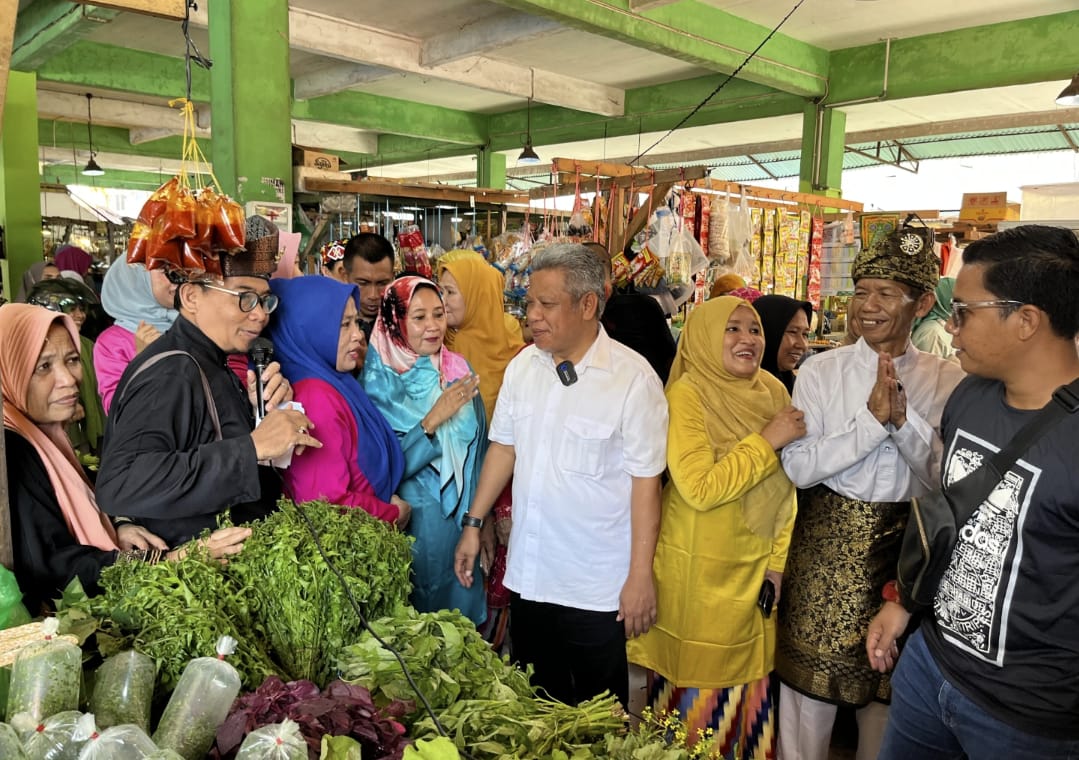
point(181, 446)
point(872, 413)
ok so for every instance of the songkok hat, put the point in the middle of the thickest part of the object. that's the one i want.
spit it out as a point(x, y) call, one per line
point(259, 256)
point(905, 255)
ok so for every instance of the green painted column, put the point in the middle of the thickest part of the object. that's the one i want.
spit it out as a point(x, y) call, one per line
point(250, 94)
point(20, 200)
point(822, 151)
point(490, 169)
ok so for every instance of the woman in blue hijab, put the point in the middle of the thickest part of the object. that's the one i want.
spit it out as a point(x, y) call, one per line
point(319, 341)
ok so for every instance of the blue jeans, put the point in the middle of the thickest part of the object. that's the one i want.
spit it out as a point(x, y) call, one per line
point(931, 719)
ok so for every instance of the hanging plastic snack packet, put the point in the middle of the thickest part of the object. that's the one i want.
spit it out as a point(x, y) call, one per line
point(116, 743)
point(45, 676)
point(277, 741)
point(123, 690)
point(413, 252)
point(50, 739)
point(200, 704)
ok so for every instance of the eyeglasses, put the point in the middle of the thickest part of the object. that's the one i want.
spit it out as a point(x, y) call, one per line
point(249, 299)
point(960, 308)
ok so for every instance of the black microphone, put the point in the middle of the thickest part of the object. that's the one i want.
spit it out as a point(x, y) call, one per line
point(261, 353)
point(566, 373)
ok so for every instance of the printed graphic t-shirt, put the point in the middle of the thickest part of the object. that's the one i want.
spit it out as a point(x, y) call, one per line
point(1005, 628)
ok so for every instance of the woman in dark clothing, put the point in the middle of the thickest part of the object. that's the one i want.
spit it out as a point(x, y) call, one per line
point(58, 532)
point(786, 335)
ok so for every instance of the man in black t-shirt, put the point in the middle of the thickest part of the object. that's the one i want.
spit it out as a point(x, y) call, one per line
point(994, 670)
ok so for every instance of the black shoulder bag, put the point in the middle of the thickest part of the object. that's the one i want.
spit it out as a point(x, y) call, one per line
point(935, 519)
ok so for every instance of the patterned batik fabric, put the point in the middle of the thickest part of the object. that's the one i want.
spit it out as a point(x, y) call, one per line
point(842, 553)
point(742, 717)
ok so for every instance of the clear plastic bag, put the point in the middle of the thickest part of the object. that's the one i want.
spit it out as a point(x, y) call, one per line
point(163, 754)
point(200, 704)
point(123, 690)
point(10, 746)
point(277, 741)
point(45, 677)
point(116, 743)
point(50, 739)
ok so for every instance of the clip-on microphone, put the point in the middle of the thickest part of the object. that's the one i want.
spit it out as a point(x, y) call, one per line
point(261, 353)
point(566, 373)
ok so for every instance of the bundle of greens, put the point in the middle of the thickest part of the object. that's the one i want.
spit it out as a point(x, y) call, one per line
point(449, 660)
point(278, 597)
point(297, 599)
point(174, 612)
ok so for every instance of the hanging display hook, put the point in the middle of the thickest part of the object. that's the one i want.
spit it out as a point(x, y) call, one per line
point(192, 52)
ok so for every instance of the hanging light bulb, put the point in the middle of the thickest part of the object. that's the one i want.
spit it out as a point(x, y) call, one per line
point(529, 155)
point(92, 169)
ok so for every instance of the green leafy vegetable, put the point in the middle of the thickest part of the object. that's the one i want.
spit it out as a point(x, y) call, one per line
point(441, 748)
point(342, 748)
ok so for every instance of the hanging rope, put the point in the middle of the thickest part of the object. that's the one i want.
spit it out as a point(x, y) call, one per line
point(722, 84)
point(191, 53)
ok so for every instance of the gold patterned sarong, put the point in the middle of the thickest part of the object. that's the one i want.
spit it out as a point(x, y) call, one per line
point(842, 553)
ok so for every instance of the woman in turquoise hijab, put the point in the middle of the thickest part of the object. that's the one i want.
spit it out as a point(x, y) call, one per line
point(430, 397)
point(929, 334)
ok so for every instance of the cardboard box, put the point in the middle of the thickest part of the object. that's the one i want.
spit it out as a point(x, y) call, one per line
point(315, 159)
point(988, 207)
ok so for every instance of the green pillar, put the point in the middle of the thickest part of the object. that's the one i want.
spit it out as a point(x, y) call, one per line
point(822, 163)
point(490, 169)
point(250, 94)
point(20, 198)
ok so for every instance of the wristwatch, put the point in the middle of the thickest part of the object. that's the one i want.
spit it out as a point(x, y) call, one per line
point(890, 592)
point(468, 521)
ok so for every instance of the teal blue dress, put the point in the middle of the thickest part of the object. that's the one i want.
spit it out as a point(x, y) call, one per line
point(439, 480)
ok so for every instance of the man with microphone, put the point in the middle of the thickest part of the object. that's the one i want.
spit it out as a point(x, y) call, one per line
point(181, 445)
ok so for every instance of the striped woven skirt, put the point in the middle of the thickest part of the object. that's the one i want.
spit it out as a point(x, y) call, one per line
point(742, 718)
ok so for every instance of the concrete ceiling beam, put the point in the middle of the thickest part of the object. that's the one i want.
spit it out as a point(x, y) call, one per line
point(47, 28)
point(333, 137)
point(344, 40)
point(341, 76)
point(484, 36)
point(698, 33)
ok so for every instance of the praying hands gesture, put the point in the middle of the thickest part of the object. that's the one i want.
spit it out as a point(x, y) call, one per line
point(888, 399)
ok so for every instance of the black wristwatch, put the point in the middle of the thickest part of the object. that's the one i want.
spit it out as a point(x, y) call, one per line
point(468, 521)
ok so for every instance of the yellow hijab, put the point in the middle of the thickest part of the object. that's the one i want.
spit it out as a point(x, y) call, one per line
point(484, 337)
point(734, 407)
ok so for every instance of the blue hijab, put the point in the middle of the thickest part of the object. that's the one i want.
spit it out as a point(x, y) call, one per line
point(128, 297)
point(305, 330)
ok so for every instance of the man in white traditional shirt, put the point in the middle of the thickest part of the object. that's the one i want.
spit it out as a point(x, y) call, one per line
point(872, 413)
point(581, 425)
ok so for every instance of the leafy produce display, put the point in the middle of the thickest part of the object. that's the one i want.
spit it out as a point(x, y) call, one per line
point(341, 710)
point(278, 598)
point(448, 659)
point(45, 676)
point(296, 597)
point(123, 690)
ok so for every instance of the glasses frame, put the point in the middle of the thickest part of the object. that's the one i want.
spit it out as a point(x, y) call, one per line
point(269, 302)
point(959, 308)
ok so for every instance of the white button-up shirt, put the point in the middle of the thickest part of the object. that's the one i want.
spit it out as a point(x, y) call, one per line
point(845, 448)
point(577, 449)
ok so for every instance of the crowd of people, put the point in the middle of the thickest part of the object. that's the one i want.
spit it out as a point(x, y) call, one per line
point(724, 512)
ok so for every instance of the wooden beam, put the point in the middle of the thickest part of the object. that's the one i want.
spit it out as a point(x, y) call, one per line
point(595, 168)
point(782, 196)
point(465, 195)
point(170, 9)
point(636, 224)
point(9, 9)
point(643, 182)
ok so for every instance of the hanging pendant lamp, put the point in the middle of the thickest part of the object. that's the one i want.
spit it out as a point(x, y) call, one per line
point(529, 155)
point(92, 169)
point(1069, 96)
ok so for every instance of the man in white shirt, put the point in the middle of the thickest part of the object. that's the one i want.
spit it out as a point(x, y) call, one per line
point(581, 425)
point(872, 413)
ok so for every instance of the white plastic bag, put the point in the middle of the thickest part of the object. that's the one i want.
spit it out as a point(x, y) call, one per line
point(277, 741)
point(50, 739)
point(116, 743)
point(685, 258)
point(46, 675)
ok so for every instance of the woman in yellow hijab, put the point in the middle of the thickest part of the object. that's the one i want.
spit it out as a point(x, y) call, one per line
point(488, 338)
point(479, 328)
point(728, 511)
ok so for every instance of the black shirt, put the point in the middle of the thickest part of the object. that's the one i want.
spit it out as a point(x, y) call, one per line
point(1006, 624)
point(637, 321)
point(161, 464)
point(47, 556)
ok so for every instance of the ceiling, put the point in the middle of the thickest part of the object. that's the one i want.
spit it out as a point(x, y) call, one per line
point(487, 58)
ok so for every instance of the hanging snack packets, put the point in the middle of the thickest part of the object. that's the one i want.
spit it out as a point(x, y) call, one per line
point(413, 252)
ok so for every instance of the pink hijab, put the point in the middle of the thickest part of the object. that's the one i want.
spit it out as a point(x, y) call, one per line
point(23, 330)
point(75, 259)
point(390, 336)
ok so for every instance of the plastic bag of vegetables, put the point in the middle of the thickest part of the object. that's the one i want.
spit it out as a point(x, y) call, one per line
point(116, 743)
point(277, 741)
point(50, 739)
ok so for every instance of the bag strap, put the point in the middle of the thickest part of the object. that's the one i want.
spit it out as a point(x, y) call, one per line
point(1065, 401)
point(210, 405)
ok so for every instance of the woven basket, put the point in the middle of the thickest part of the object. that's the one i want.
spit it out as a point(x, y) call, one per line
point(14, 639)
